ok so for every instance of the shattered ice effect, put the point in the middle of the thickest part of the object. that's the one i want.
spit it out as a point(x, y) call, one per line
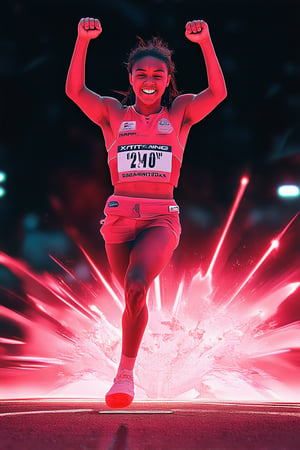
point(198, 344)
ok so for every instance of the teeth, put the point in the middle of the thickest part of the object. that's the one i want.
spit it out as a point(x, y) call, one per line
point(148, 91)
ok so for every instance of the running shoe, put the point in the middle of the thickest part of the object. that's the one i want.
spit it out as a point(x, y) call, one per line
point(121, 393)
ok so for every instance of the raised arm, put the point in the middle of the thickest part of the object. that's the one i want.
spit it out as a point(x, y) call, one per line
point(197, 106)
point(93, 105)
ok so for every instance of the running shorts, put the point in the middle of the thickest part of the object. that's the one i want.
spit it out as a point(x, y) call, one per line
point(126, 217)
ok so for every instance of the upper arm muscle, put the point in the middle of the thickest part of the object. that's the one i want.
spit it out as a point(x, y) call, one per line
point(199, 106)
point(194, 107)
point(97, 108)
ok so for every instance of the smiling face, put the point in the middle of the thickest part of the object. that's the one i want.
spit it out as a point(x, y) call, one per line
point(149, 79)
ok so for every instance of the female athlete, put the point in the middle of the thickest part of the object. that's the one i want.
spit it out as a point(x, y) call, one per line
point(145, 141)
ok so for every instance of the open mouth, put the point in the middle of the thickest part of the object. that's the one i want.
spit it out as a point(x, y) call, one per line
point(148, 91)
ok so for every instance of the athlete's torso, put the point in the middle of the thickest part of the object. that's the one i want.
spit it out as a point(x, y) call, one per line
point(146, 154)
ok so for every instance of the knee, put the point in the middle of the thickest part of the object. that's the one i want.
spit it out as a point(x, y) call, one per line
point(135, 295)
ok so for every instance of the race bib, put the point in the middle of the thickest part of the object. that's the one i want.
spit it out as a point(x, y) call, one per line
point(145, 160)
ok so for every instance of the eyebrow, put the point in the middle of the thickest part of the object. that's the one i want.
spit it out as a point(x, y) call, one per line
point(144, 70)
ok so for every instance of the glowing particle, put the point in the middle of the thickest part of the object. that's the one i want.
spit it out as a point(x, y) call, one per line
point(244, 181)
point(275, 243)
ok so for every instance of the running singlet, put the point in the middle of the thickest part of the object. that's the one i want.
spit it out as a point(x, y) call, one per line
point(145, 149)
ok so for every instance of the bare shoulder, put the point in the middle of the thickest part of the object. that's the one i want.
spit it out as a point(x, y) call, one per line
point(115, 110)
point(113, 106)
point(178, 108)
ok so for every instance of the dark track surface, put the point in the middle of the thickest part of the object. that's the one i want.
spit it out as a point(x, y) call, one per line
point(84, 424)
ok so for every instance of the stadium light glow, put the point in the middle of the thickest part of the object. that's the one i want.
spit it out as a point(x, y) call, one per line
point(2, 192)
point(288, 190)
point(2, 176)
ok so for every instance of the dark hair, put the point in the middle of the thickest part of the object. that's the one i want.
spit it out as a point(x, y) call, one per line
point(158, 49)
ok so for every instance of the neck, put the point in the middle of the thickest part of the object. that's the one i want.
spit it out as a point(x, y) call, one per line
point(146, 110)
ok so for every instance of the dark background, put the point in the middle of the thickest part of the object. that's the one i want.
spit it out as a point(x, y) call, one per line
point(54, 156)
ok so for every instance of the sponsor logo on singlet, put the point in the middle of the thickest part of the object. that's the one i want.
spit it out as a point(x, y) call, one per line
point(130, 125)
point(147, 147)
point(127, 134)
point(144, 160)
point(164, 126)
point(113, 204)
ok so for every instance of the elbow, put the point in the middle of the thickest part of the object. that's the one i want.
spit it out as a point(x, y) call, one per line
point(72, 88)
point(222, 94)
point(219, 93)
point(223, 91)
point(69, 92)
point(72, 93)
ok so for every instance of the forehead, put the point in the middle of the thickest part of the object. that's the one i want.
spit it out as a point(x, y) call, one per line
point(150, 63)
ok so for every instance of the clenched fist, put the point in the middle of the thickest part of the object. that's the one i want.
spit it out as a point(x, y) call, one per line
point(197, 31)
point(89, 28)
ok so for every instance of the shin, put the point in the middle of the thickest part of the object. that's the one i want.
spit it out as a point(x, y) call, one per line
point(135, 316)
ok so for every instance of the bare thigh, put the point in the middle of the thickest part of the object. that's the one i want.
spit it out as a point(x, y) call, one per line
point(118, 256)
point(143, 258)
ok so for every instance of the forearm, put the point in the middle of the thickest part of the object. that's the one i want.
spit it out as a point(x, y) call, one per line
point(215, 76)
point(76, 75)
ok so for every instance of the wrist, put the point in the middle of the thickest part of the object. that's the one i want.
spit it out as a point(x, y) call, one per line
point(82, 40)
point(205, 42)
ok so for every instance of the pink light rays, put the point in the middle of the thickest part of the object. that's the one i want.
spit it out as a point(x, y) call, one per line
point(274, 244)
point(193, 348)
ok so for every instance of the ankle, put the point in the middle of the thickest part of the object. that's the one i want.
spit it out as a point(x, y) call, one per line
point(124, 374)
point(126, 363)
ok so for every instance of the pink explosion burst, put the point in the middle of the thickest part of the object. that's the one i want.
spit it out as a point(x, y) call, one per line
point(200, 343)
